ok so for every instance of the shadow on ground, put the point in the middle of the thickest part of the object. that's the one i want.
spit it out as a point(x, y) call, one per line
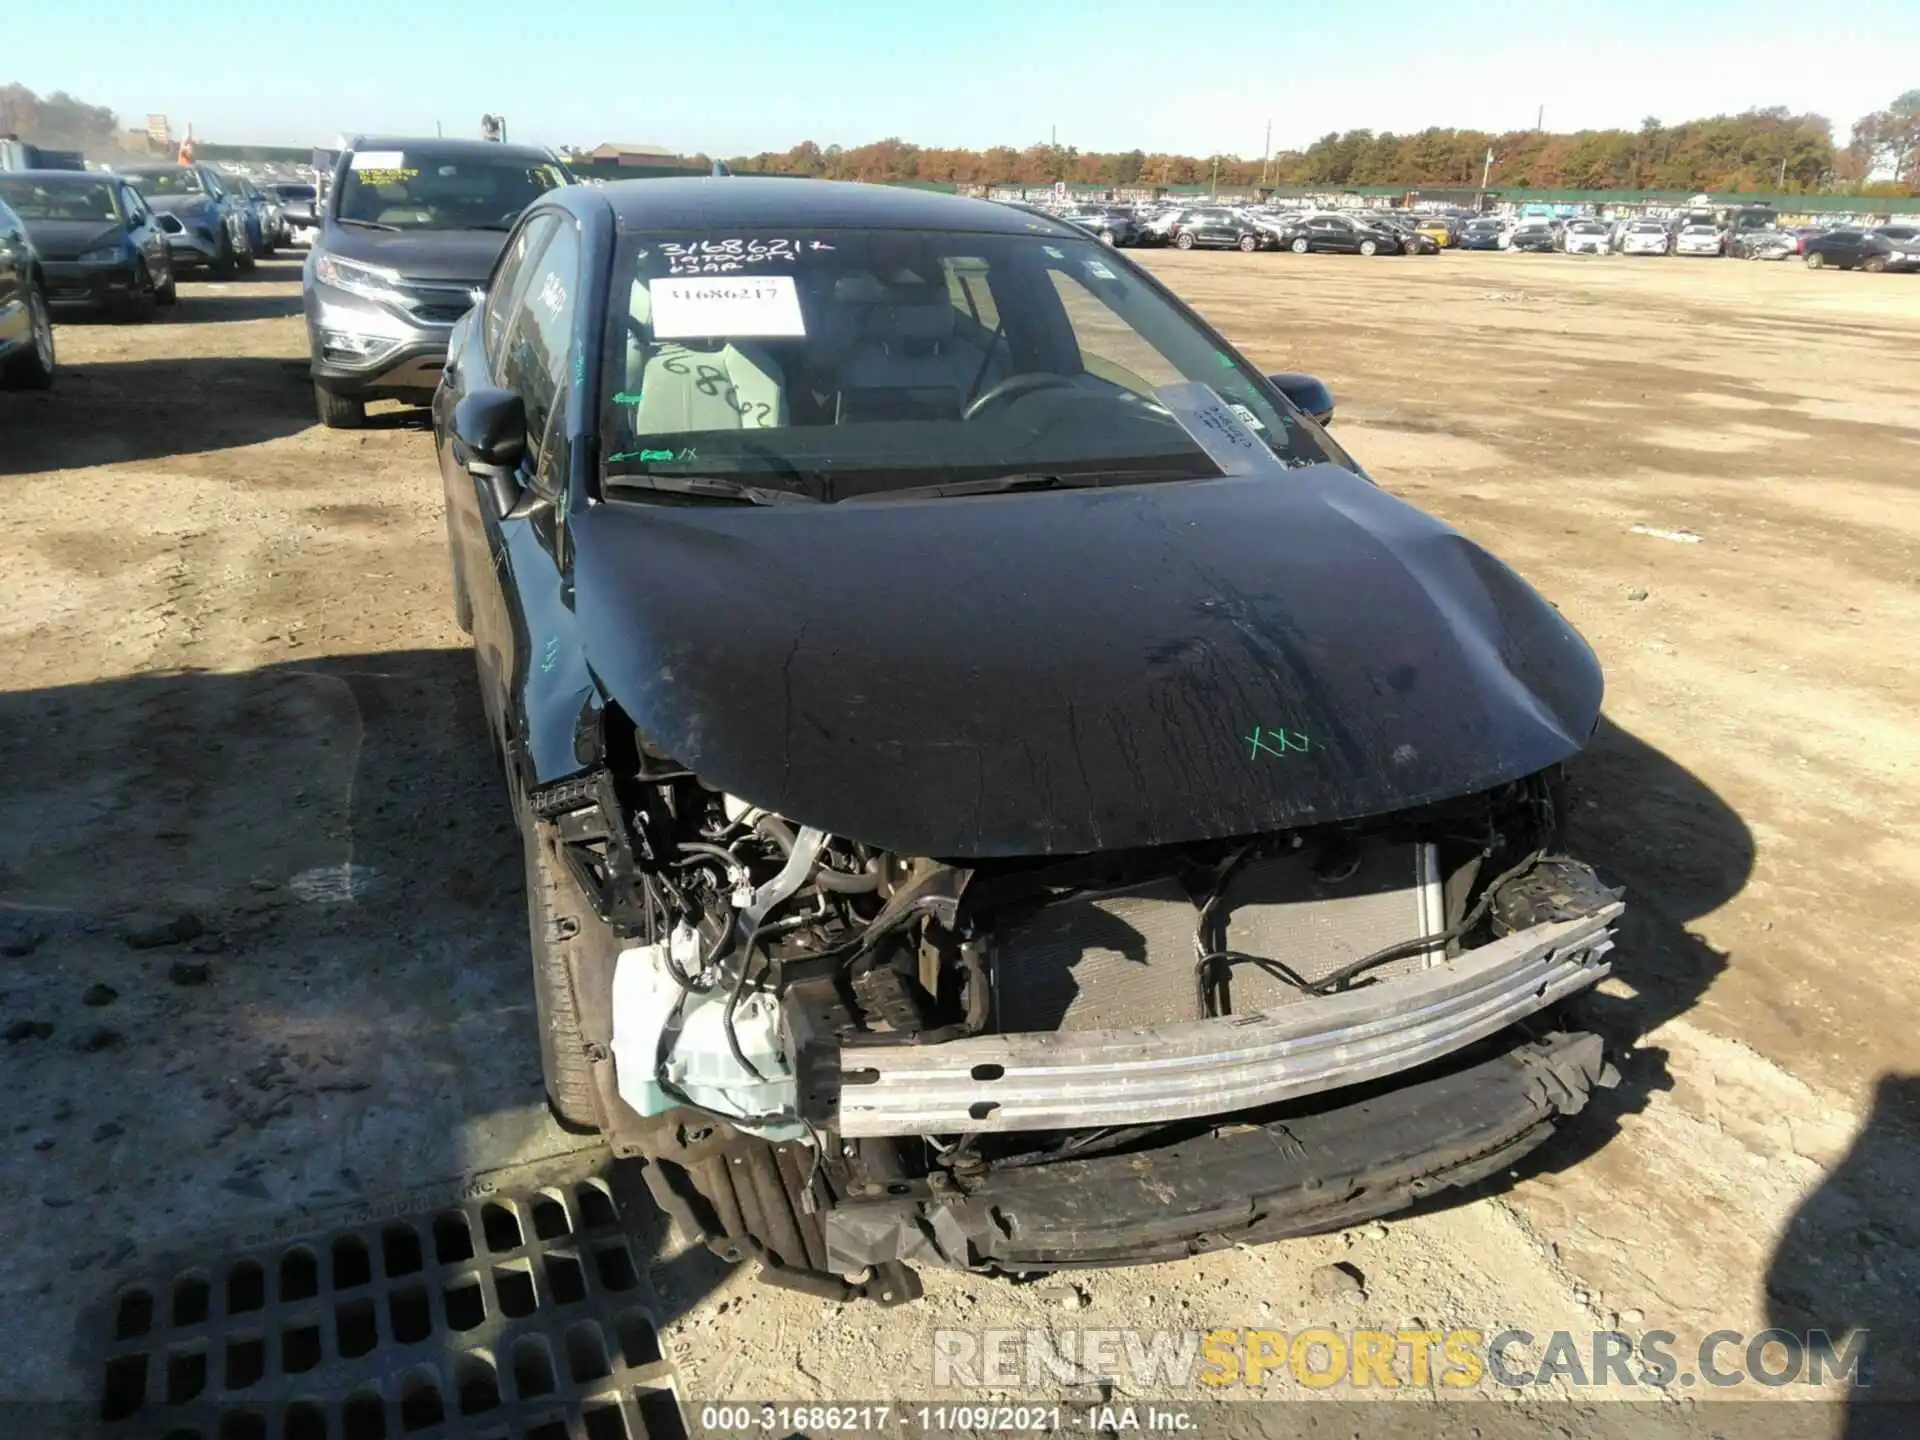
point(1848, 1263)
point(1647, 823)
point(115, 411)
point(265, 959)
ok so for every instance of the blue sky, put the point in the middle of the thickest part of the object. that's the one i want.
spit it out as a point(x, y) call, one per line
point(1197, 76)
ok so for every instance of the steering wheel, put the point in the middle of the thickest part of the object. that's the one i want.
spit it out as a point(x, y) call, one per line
point(1013, 387)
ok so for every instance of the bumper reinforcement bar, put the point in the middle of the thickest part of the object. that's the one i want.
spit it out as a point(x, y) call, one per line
point(1214, 1067)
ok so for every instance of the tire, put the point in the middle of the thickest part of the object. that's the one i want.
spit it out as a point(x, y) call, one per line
point(139, 306)
point(339, 412)
point(1107, 237)
point(32, 368)
point(1816, 261)
point(462, 597)
point(1368, 247)
point(224, 262)
point(245, 257)
point(1248, 244)
point(571, 946)
point(169, 293)
point(1874, 264)
point(1183, 241)
point(1300, 246)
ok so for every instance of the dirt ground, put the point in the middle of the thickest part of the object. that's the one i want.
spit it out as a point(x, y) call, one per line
point(234, 692)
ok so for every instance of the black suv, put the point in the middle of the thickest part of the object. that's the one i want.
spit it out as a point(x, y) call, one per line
point(409, 234)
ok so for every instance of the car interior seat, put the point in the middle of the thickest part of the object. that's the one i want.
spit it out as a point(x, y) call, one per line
point(682, 385)
point(900, 354)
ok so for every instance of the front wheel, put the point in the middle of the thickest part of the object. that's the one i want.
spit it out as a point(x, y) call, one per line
point(139, 306)
point(339, 412)
point(1183, 241)
point(32, 368)
point(573, 950)
point(1249, 243)
point(1816, 261)
point(169, 293)
point(1299, 246)
point(1874, 264)
point(223, 261)
point(1368, 247)
point(1107, 237)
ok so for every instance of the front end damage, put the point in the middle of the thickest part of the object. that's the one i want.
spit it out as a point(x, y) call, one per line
point(846, 1062)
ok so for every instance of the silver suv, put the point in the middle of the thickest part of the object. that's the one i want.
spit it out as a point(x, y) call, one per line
point(408, 236)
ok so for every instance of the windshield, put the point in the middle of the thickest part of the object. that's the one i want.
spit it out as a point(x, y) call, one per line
point(844, 363)
point(35, 201)
point(1649, 227)
point(294, 192)
point(167, 182)
point(419, 190)
point(1589, 227)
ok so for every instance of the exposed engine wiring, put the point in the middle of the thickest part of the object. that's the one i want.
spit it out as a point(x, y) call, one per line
point(1327, 984)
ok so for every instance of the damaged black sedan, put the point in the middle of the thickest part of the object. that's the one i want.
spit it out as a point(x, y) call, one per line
point(1001, 788)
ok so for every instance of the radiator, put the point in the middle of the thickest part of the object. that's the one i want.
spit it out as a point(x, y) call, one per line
point(1108, 961)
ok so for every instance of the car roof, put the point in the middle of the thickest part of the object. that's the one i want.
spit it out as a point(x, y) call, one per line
point(450, 147)
point(756, 202)
point(59, 177)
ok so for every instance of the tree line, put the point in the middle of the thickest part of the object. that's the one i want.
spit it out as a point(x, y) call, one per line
point(1757, 150)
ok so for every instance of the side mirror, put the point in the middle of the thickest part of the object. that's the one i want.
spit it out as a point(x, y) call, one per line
point(490, 439)
point(1307, 393)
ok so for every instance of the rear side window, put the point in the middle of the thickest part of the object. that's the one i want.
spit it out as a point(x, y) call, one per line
point(539, 334)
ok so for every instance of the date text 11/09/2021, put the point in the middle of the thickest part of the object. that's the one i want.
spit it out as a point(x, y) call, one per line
point(940, 1419)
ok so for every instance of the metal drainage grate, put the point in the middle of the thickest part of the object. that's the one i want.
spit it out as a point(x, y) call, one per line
point(517, 1313)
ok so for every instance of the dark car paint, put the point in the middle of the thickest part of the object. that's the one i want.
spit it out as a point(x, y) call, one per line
point(20, 280)
point(1219, 230)
point(60, 243)
point(1339, 235)
point(1851, 247)
point(1535, 242)
point(944, 677)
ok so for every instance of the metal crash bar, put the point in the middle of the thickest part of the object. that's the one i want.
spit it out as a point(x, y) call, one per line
point(1213, 1067)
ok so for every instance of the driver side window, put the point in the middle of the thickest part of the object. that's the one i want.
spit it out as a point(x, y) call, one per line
point(508, 278)
point(539, 336)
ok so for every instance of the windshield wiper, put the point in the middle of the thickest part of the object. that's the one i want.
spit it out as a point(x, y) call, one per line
point(1001, 484)
point(709, 487)
point(366, 224)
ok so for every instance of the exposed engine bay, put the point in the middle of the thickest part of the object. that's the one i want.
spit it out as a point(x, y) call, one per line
point(843, 1060)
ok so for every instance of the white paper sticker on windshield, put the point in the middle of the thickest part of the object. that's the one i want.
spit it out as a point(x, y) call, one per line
point(1055, 251)
point(377, 160)
point(1099, 271)
point(1218, 431)
point(1253, 420)
point(733, 306)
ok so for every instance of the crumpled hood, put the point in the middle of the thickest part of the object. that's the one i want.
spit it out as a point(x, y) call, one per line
point(1084, 669)
point(69, 239)
point(463, 256)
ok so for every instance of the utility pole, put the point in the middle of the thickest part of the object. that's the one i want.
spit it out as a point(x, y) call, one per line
point(1266, 155)
point(1540, 117)
point(1216, 179)
point(1783, 175)
point(439, 130)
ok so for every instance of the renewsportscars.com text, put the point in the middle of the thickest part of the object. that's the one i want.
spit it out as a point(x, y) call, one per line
point(1321, 1358)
